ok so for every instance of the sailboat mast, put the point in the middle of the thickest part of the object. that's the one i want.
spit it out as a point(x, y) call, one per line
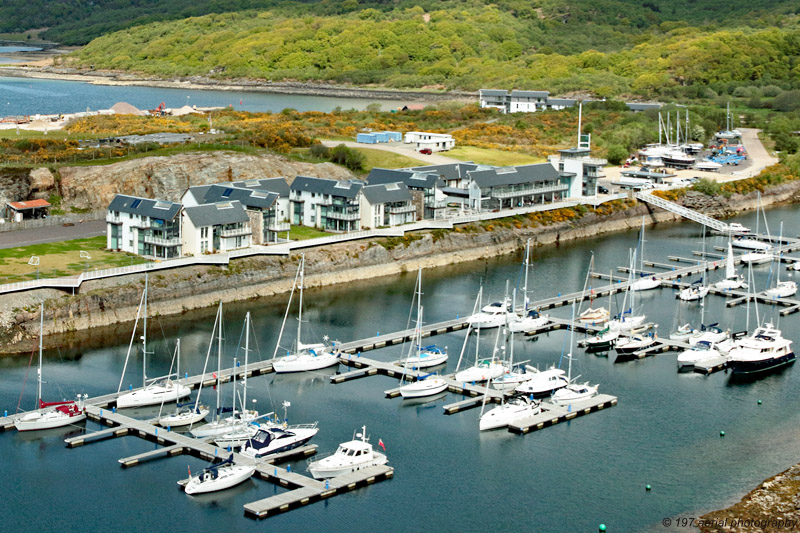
point(219, 359)
point(300, 311)
point(144, 336)
point(571, 339)
point(39, 371)
point(246, 359)
point(525, 287)
point(178, 370)
point(705, 275)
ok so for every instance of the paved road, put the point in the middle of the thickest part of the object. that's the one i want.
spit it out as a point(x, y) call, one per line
point(26, 237)
point(400, 149)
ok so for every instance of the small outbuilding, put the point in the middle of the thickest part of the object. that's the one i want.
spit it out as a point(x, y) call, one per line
point(19, 211)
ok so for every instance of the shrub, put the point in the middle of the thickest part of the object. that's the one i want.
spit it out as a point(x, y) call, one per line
point(320, 151)
point(616, 154)
point(707, 187)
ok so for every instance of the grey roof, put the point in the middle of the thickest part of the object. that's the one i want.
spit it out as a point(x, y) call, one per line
point(412, 178)
point(635, 106)
point(514, 175)
point(646, 174)
point(493, 92)
point(276, 185)
point(247, 197)
point(160, 209)
point(216, 214)
point(386, 192)
point(561, 101)
point(344, 189)
point(455, 191)
point(531, 94)
point(451, 171)
point(576, 151)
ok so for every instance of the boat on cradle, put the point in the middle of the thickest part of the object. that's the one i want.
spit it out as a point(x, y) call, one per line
point(573, 392)
point(426, 385)
point(510, 411)
point(305, 357)
point(157, 391)
point(708, 166)
point(49, 415)
point(351, 456)
point(185, 415)
point(542, 382)
point(531, 319)
point(732, 280)
point(220, 476)
point(701, 351)
point(764, 350)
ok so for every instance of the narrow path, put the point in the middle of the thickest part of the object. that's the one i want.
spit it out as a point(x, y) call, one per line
point(26, 237)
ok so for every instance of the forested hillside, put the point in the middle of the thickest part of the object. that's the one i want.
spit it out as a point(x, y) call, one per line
point(466, 48)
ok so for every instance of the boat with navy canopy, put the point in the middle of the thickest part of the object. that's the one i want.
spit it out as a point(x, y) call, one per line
point(217, 477)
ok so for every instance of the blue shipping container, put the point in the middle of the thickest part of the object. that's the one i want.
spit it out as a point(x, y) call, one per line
point(367, 138)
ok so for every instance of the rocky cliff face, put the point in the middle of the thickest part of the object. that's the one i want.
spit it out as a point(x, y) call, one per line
point(153, 177)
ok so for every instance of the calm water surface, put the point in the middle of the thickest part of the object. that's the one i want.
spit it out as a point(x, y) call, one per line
point(570, 477)
point(26, 96)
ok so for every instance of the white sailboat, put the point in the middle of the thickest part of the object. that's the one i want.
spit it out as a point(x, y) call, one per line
point(573, 392)
point(353, 455)
point(218, 477)
point(157, 391)
point(224, 425)
point(782, 289)
point(732, 280)
point(429, 384)
point(185, 415)
point(626, 321)
point(531, 319)
point(306, 356)
point(508, 412)
point(645, 282)
point(49, 415)
point(699, 289)
point(516, 373)
point(482, 369)
point(419, 356)
point(542, 382)
point(592, 315)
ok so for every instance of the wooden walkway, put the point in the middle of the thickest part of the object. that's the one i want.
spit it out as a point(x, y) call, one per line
point(553, 414)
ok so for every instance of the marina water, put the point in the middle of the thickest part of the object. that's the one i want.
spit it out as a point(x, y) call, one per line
point(29, 96)
point(665, 432)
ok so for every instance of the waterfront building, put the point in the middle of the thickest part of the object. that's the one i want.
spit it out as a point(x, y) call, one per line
point(387, 204)
point(326, 204)
point(435, 142)
point(423, 183)
point(518, 101)
point(579, 163)
point(217, 227)
point(143, 226)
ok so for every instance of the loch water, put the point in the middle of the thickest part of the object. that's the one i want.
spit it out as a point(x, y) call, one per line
point(664, 432)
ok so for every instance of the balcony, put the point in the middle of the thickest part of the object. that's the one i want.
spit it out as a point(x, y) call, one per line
point(344, 215)
point(439, 204)
point(596, 161)
point(236, 232)
point(162, 241)
point(113, 219)
point(142, 223)
point(529, 191)
point(278, 226)
point(401, 209)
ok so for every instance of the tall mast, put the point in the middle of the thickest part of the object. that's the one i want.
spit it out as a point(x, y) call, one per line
point(525, 287)
point(246, 360)
point(705, 275)
point(571, 339)
point(144, 336)
point(39, 371)
point(419, 312)
point(219, 358)
point(177, 370)
point(580, 118)
point(300, 311)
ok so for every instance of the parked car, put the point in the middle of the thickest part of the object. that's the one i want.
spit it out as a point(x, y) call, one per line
point(602, 190)
point(426, 151)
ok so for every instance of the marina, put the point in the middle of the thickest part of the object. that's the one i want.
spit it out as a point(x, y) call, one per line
point(375, 354)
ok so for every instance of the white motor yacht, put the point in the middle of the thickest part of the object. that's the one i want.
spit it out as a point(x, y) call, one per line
point(492, 315)
point(701, 351)
point(271, 440)
point(351, 456)
point(765, 349)
point(542, 382)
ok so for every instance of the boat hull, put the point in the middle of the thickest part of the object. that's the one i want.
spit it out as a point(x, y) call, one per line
point(182, 419)
point(235, 476)
point(302, 363)
point(152, 396)
point(48, 420)
point(300, 440)
point(426, 387)
point(318, 471)
point(763, 365)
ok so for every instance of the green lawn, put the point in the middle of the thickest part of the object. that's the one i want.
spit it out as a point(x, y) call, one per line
point(301, 233)
point(384, 159)
point(60, 259)
point(486, 156)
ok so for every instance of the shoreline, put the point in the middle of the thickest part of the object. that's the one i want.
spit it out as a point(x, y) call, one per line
point(112, 302)
point(243, 85)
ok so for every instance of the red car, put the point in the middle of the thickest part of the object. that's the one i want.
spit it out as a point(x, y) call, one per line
point(426, 151)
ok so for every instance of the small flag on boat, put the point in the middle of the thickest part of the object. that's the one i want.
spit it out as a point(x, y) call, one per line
point(380, 443)
point(190, 470)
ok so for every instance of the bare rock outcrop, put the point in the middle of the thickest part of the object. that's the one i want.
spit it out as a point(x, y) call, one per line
point(168, 177)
